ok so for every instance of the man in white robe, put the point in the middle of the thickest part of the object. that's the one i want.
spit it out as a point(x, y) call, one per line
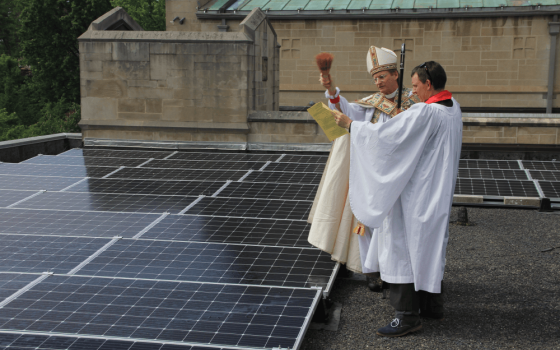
point(402, 179)
point(331, 217)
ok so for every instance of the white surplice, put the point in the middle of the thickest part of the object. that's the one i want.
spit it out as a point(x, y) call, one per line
point(402, 179)
point(331, 217)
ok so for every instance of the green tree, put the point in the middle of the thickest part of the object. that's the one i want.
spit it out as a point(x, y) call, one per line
point(150, 14)
point(9, 26)
point(48, 34)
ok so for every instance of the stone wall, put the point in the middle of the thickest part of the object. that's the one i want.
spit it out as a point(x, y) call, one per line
point(478, 128)
point(187, 86)
point(491, 62)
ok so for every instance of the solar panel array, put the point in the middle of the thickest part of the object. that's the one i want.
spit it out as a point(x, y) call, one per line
point(509, 178)
point(113, 249)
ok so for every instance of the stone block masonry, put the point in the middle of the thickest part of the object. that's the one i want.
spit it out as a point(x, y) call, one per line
point(180, 86)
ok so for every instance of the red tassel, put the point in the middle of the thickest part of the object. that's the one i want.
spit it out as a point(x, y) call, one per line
point(324, 62)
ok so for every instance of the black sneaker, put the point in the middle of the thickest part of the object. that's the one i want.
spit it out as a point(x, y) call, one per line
point(398, 328)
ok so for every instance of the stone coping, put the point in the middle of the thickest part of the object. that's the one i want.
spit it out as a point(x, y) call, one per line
point(113, 16)
point(157, 36)
point(242, 128)
point(482, 119)
point(165, 144)
point(39, 139)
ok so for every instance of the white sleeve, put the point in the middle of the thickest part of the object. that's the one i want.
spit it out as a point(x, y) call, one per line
point(383, 157)
point(353, 111)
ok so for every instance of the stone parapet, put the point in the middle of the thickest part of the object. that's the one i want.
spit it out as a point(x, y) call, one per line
point(478, 128)
point(191, 86)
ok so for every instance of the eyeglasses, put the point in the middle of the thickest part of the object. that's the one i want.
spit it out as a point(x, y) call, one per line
point(381, 77)
point(423, 65)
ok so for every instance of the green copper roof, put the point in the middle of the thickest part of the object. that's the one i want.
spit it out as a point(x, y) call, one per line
point(310, 5)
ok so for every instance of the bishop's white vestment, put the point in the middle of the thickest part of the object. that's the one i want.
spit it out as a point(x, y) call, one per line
point(402, 179)
point(331, 216)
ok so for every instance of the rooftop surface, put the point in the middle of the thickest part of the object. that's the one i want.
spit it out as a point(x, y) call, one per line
point(502, 291)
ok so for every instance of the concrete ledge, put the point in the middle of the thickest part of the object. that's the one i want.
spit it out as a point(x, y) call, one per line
point(39, 139)
point(15, 151)
point(173, 37)
point(528, 201)
point(91, 142)
point(465, 198)
point(234, 128)
point(280, 117)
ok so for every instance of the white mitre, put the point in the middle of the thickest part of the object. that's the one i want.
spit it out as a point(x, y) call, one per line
point(380, 59)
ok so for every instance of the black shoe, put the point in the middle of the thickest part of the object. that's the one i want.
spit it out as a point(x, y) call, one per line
point(374, 284)
point(398, 328)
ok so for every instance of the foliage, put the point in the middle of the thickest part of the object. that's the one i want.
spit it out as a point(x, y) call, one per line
point(43, 34)
point(9, 24)
point(150, 14)
point(49, 29)
point(55, 118)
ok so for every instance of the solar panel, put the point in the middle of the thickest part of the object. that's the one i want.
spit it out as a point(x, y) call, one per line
point(488, 164)
point(269, 191)
point(54, 170)
point(244, 157)
point(73, 223)
point(213, 262)
point(538, 165)
point(108, 202)
point(32, 253)
point(204, 164)
point(252, 208)
point(493, 174)
point(12, 282)
point(35, 183)
point(10, 197)
point(550, 189)
point(296, 167)
point(293, 158)
point(235, 245)
point(12, 341)
point(73, 152)
point(231, 230)
point(545, 175)
point(85, 161)
point(115, 153)
point(284, 177)
point(490, 187)
point(177, 174)
point(213, 314)
point(155, 187)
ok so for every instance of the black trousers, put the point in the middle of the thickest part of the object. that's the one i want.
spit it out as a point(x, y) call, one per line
point(408, 303)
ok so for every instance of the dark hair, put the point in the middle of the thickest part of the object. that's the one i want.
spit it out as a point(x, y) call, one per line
point(432, 71)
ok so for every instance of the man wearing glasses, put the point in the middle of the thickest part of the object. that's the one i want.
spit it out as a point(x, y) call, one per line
point(402, 179)
point(377, 108)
